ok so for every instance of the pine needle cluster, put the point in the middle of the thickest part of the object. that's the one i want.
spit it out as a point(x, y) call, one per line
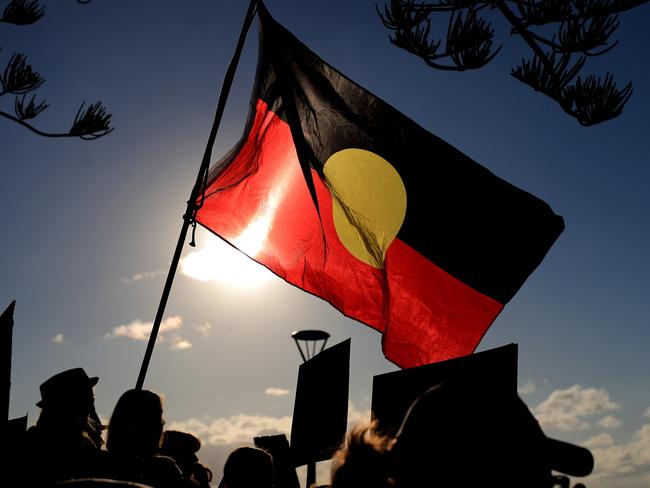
point(562, 35)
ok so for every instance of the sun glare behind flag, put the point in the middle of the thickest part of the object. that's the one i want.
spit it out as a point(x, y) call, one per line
point(343, 196)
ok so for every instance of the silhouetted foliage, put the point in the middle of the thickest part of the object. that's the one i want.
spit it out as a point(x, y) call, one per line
point(562, 34)
point(23, 12)
point(19, 78)
point(92, 122)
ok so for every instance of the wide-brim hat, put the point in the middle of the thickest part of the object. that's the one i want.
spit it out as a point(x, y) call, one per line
point(69, 382)
point(502, 427)
point(470, 403)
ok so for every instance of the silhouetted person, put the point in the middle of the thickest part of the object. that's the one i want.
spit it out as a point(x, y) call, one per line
point(182, 447)
point(64, 442)
point(454, 435)
point(284, 471)
point(134, 436)
point(363, 461)
point(248, 467)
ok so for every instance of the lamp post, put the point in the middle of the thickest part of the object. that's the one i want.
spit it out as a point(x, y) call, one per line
point(310, 343)
point(309, 339)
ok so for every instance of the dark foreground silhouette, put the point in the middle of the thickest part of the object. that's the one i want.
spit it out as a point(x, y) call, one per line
point(444, 441)
point(452, 435)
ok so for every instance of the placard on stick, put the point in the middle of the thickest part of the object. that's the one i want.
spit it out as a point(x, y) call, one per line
point(320, 411)
point(393, 393)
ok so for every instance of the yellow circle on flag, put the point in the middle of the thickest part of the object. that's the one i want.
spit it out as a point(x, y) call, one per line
point(369, 202)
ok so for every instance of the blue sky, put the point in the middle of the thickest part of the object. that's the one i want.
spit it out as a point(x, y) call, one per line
point(90, 226)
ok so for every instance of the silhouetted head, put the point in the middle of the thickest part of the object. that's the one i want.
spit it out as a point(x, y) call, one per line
point(135, 428)
point(248, 467)
point(181, 446)
point(461, 422)
point(451, 437)
point(362, 462)
point(67, 395)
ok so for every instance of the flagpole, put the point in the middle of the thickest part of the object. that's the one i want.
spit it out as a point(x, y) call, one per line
point(192, 207)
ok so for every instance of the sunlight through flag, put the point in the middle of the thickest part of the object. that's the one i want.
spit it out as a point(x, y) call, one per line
point(343, 196)
point(220, 262)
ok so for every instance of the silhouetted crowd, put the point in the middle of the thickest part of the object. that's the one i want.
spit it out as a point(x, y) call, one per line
point(66, 445)
point(67, 441)
point(442, 442)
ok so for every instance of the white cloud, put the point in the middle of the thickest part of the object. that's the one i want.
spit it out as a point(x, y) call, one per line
point(610, 422)
point(625, 464)
point(646, 414)
point(565, 409)
point(242, 428)
point(276, 391)
point(238, 429)
point(528, 388)
point(143, 276)
point(600, 440)
point(58, 339)
point(140, 331)
point(617, 464)
point(204, 329)
point(179, 343)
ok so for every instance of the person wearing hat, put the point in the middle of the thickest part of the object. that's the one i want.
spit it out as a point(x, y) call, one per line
point(66, 440)
point(469, 429)
point(473, 429)
point(451, 438)
point(72, 392)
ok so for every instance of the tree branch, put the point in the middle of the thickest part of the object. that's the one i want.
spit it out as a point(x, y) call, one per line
point(90, 123)
point(562, 49)
point(605, 7)
point(528, 39)
point(584, 30)
point(32, 128)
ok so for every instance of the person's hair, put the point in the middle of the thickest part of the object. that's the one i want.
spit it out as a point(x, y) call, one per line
point(136, 425)
point(201, 474)
point(248, 467)
point(363, 460)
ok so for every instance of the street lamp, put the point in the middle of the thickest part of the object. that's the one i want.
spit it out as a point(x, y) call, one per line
point(310, 339)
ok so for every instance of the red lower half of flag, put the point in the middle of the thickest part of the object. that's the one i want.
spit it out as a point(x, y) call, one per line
point(260, 203)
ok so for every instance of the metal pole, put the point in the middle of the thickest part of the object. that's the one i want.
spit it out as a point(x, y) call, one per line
point(6, 338)
point(192, 207)
point(311, 474)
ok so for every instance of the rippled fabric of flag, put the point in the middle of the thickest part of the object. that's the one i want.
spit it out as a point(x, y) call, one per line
point(345, 197)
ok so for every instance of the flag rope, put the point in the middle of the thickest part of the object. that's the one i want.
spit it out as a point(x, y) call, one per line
point(189, 218)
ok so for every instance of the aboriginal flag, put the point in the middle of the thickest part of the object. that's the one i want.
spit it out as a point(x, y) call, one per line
point(345, 197)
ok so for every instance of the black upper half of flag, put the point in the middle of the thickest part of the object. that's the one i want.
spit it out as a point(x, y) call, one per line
point(477, 227)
